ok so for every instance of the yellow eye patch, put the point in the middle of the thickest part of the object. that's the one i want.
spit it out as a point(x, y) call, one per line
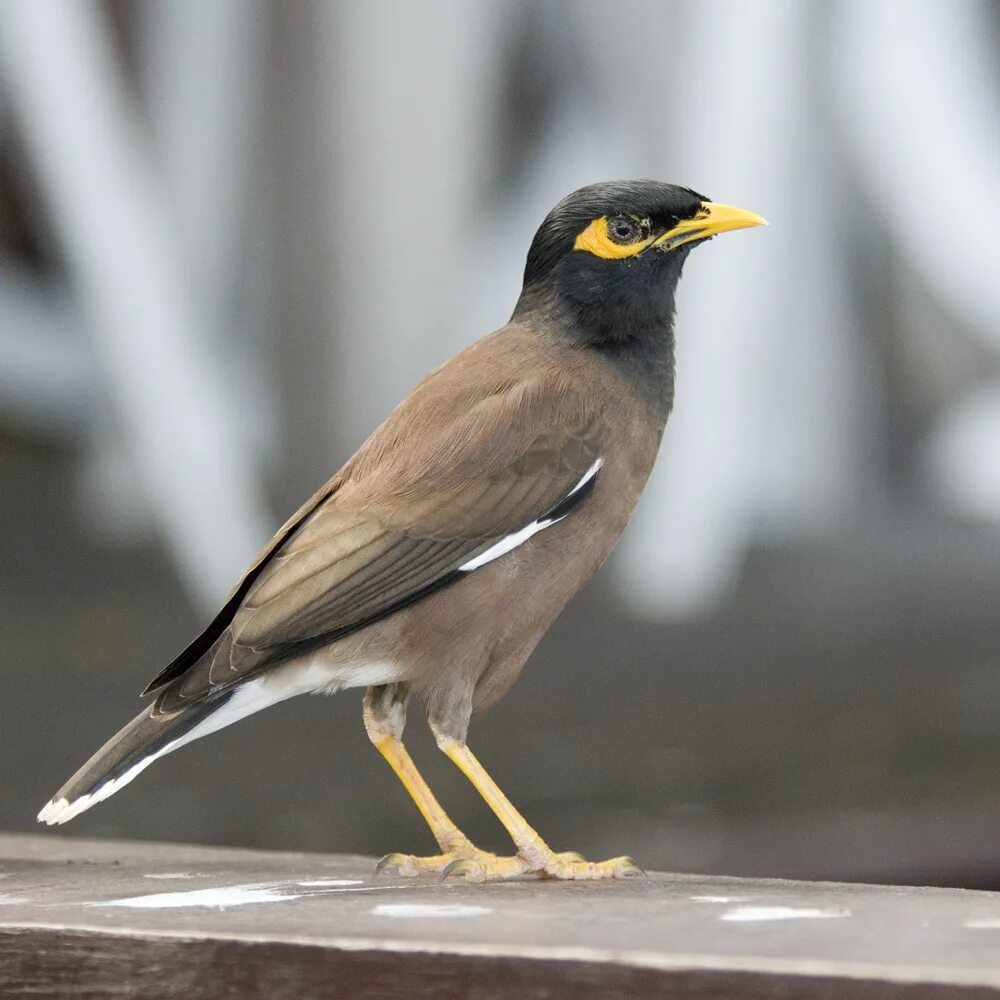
point(596, 239)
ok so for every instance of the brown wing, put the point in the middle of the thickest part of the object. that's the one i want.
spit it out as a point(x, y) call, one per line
point(473, 455)
point(203, 643)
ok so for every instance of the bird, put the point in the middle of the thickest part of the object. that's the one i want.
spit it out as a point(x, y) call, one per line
point(434, 560)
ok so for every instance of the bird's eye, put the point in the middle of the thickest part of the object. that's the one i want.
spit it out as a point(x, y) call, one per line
point(622, 229)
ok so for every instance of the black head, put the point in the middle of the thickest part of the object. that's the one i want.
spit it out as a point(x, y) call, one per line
point(607, 259)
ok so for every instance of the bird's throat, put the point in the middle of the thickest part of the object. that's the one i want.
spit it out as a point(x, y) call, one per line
point(647, 364)
point(641, 351)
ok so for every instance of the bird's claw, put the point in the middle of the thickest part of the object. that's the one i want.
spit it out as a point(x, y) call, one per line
point(629, 868)
point(401, 862)
point(460, 867)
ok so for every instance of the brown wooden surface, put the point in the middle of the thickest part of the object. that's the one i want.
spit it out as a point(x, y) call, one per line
point(102, 918)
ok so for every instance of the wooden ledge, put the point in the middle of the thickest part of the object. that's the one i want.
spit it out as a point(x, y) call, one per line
point(126, 919)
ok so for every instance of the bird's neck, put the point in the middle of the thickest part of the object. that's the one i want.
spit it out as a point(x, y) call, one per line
point(640, 350)
point(647, 363)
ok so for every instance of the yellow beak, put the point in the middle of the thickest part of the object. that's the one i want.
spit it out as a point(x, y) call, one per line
point(712, 219)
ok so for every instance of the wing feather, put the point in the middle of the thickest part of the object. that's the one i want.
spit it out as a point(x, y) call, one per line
point(430, 490)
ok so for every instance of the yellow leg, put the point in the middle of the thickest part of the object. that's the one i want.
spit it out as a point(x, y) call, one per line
point(448, 836)
point(454, 844)
point(539, 858)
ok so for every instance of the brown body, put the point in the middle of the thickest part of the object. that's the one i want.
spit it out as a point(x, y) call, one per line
point(463, 645)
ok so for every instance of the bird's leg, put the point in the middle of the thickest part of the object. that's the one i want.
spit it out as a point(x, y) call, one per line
point(385, 716)
point(536, 855)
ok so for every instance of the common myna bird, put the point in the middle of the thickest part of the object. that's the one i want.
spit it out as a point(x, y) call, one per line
point(437, 557)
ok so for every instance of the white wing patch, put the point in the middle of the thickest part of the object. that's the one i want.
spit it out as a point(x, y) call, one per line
point(510, 542)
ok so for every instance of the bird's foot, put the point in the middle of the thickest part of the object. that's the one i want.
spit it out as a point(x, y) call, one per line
point(570, 865)
point(453, 863)
point(485, 867)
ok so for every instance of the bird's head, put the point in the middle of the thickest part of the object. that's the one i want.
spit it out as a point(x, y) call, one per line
point(608, 257)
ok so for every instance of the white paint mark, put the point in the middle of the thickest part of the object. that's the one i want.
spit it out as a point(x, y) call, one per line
point(329, 882)
point(510, 542)
point(232, 895)
point(168, 875)
point(982, 923)
point(750, 913)
point(412, 911)
point(717, 899)
point(241, 895)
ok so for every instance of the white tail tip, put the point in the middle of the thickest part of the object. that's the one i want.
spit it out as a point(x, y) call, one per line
point(60, 811)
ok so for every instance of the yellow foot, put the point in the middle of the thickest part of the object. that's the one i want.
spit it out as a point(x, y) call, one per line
point(484, 867)
point(572, 866)
point(411, 866)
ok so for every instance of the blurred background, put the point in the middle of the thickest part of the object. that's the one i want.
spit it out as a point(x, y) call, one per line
point(233, 234)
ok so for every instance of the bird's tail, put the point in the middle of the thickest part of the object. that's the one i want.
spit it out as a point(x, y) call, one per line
point(148, 736)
